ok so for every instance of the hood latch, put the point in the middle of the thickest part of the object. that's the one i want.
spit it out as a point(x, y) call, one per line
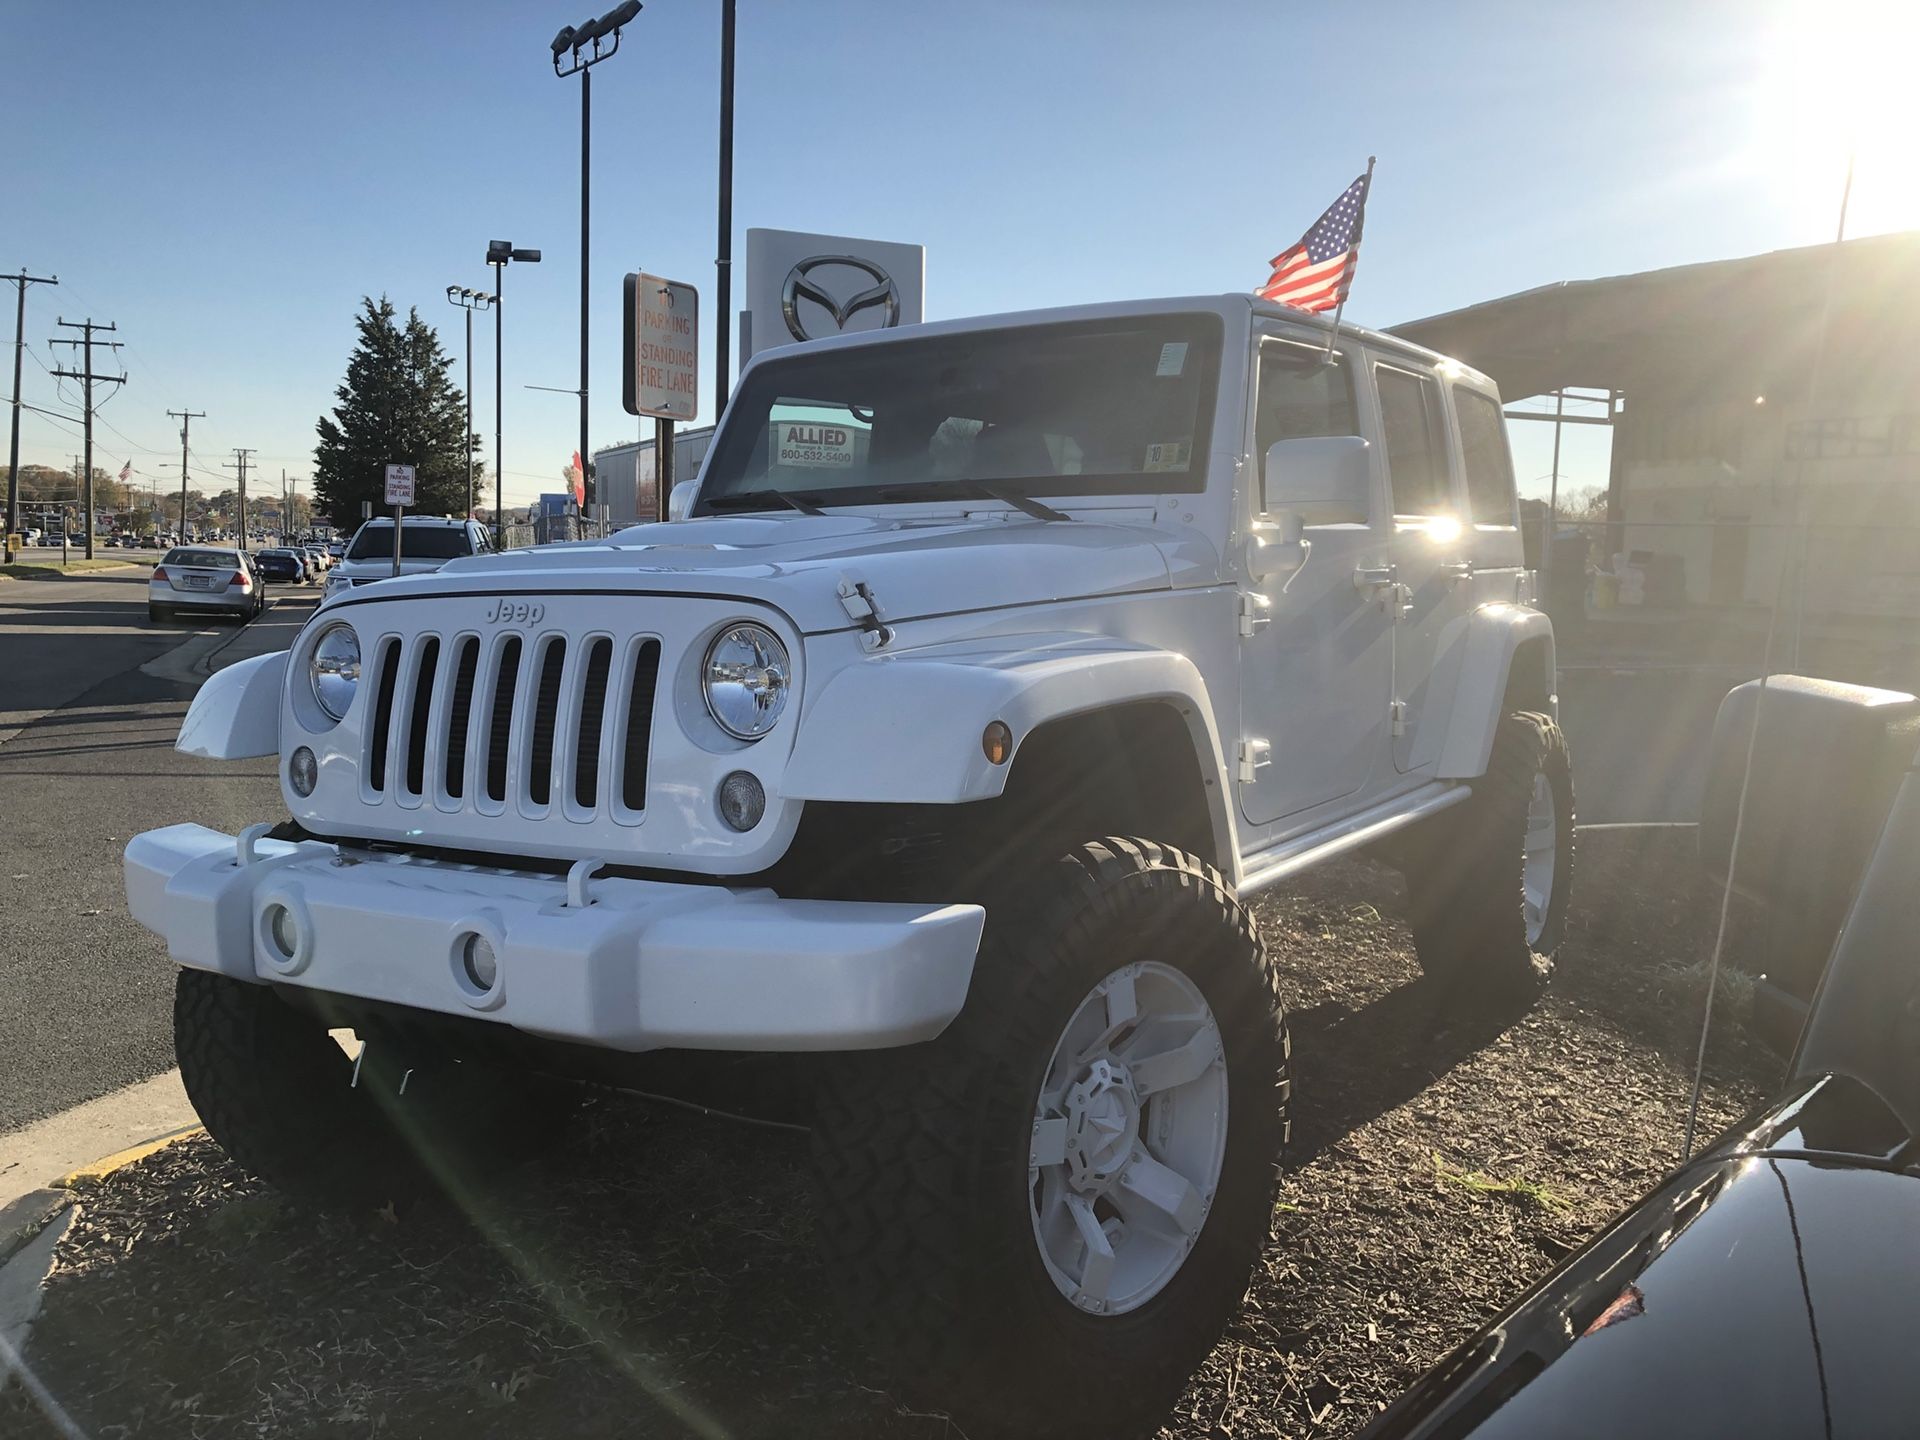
point(857, 599)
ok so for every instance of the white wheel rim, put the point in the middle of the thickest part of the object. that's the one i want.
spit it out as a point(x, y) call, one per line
point(1128, 1138)
point(1541, 847)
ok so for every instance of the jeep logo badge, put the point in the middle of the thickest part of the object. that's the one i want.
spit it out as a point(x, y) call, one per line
point(800, 285)
point(514, 612)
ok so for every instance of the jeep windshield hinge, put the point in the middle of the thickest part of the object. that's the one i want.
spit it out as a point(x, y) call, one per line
point(857, 599)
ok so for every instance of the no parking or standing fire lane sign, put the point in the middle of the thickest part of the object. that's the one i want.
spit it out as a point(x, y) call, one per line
point(662, 348)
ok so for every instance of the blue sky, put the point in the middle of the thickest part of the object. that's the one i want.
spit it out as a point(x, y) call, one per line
point(225, 181)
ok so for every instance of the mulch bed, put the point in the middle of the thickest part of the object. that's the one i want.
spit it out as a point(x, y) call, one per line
point(661, 1281)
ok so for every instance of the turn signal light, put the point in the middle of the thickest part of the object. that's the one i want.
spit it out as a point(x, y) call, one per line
point(997, 741)
point(159, 572)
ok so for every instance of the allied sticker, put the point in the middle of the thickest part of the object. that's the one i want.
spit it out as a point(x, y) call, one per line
point(1173, 455)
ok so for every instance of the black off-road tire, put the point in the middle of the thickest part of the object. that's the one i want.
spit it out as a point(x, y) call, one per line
point(921, 1155)
point(1465, 903)
point(276, 1091)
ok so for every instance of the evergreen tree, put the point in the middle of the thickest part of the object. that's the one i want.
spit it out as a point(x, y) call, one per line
point(398, 405)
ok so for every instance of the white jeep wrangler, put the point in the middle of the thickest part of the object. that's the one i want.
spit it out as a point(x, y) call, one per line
point(986, 673)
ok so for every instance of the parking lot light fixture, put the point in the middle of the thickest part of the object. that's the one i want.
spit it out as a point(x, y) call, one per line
point(499, 254)
point(576, 50)
point(469, 300)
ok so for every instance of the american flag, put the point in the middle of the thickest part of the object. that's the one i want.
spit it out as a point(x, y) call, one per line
point(125, 471)
point(1316, 273)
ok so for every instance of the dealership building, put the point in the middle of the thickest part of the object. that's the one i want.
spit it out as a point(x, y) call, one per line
point(1764, 411)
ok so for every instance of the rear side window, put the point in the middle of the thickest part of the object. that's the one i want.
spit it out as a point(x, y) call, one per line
point(1416, 436)
point(1483, 445)
point(1302, 394)
point(208, 559)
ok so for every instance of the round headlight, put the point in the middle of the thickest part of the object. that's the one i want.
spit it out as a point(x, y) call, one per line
point(334, 669)
point(746, 677)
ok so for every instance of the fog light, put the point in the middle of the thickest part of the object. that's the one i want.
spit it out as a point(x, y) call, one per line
point(304, 771)
point(742, 800)
point(480, 963)
point(280, 926)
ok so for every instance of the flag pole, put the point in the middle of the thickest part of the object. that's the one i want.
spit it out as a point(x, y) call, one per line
point(1334, 334)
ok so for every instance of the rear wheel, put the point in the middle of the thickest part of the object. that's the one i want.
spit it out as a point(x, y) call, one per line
point(1048, 1214)
point(157, 613)
point(1487, 885)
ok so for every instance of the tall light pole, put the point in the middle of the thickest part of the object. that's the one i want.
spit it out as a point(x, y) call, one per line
point(574, 43)
point(469, 301)
point(499, 253)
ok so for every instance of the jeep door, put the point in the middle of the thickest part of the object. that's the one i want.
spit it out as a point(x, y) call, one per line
point(1426, 586)
point(1314, 670)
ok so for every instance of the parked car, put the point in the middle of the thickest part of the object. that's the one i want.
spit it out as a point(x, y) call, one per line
point(204, 579)
point(318, 559)
point(1763, 1287)
point(149, 542)
point(426, 543)
point(284, 566)
point(996, 666)
point(336, 548)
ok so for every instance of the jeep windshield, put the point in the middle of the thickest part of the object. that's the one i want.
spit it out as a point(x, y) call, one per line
point(417, 542)
point(1090, 408)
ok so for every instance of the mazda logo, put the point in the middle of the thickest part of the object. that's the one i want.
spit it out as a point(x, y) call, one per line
point(801, 285)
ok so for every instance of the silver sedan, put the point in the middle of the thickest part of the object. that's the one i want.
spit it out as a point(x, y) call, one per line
point(204, 578)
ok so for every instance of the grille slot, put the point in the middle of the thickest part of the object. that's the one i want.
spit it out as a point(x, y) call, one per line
point(633, 773)
point(422, 707)
point(388, 672)
point(546, 710)
point(459, 713)
point(593, 711)
point(501, 721)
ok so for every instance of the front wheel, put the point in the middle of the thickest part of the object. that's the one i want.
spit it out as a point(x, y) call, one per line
point(1076, 1179)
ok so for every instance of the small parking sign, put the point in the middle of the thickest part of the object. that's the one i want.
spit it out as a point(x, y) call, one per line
point(399, 484)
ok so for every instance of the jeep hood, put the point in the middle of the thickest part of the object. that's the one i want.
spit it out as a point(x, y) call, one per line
point(914, 567)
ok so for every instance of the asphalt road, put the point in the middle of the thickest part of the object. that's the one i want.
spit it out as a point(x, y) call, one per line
point(86, 760)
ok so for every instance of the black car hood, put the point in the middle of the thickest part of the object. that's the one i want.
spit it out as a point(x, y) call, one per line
point(1764, 1290)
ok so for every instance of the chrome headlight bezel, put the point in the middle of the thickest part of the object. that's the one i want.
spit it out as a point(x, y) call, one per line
point(746, 709)
point(326, 674)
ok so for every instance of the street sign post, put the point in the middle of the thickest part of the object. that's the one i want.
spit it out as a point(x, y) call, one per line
point(399, 496)
point(662, 370)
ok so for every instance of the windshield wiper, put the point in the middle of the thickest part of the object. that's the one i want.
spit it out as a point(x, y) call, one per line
point(1039, 510)
point(749, 500)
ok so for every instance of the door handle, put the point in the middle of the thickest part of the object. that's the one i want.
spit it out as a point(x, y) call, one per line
point(1374, 578)
point(1457, 571)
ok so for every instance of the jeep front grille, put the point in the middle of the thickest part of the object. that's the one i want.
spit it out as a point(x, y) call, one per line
point(507, 723)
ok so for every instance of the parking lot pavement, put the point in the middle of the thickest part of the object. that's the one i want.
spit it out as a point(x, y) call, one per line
point(85, 994)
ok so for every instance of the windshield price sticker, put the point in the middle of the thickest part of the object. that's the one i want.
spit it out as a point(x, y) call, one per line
point(813, 447)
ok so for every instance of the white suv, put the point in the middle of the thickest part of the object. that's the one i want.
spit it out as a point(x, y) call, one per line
point(426, 543)
point(995, 666)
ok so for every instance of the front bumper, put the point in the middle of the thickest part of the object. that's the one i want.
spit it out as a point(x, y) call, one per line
point(626, 964)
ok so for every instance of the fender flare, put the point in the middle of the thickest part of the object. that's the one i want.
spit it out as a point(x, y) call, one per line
point(1495, 634)
point(907, 727)
point(235, 715)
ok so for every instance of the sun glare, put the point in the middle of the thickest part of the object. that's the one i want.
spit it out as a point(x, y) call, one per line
point(1837, 79)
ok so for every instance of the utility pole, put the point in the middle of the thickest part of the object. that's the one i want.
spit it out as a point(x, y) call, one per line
point(86, 342)
point(20, 282)
point(186, 419)
point(723, 263)
point(241, 459)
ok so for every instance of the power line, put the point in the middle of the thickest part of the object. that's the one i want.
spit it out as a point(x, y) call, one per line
point(87, 377)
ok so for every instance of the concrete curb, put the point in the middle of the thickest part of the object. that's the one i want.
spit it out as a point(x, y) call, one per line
point(31, 1228)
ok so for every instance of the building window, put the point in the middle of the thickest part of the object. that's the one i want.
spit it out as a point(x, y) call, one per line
point(1483, 444)
point(1850, 437)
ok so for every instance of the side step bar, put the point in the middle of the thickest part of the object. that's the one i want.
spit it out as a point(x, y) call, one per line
point(1356, 831)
